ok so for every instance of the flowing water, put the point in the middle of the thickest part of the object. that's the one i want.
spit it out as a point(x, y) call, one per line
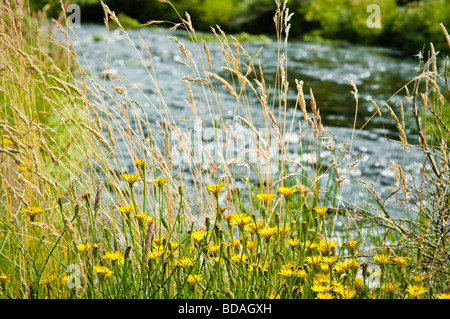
point(324, 67)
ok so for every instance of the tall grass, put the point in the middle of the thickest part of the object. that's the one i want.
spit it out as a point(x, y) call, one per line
point(86, 226)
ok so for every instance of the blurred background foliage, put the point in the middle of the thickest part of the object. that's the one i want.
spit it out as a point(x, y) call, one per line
point(407, 25)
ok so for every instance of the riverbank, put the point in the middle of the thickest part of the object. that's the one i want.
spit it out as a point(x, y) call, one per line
point(402, 25)
point(233, 216)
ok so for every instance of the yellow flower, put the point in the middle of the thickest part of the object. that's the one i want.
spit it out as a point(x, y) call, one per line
point(273, 296)
point(46, 281)
point(160, 181)
point(266, 198)
point(142, 217)
point(239, 259)
point(415, 291)
point(184, 262)
point(235, 243)
point(84, 247)
point(418, 278)
point(350, 243)
point(382, 259)
point(194, 279)
point(284, 229)
point(321, 210)
point(252, 227)
point(329, 260)
point(310, 245)
point(153, 255)
point(240, 219)
point(114, 256)
point(6, 142)
point(287, 191)
point(287, 270)
point(300, 273)
point(324, 295)
point(321, 288)
point(314, 260)
point(32, 212)
point(4, 278)
point(198, 236)
point(326, 247)
point(254, 266)
point(252, 244)
point(391, 288)
point(140, 163)
point(267, 232)
point(293, 242)
point(214, 248)
point(345, 292)
point(126, 209)
point(443, 296)
point(131, 178)
point(215, 188)
point(103, 272)
point(399, 261)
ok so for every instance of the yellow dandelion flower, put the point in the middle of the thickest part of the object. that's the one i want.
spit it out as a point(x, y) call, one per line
point(4, 278)
point(321, 288)
point(321, 211)
point(214, 248)
point(287, 270)
point(329, 260)
point(345, 292)
point(184, 262)
point(254, 266)
point(324, 295)
point(126, 209)
point(443, 296)
point(283, 230)
point(399, 261)
point(416, 291)
point(418, 278)
point(194, 279)
point(235, 243)
point(32, 212)
point(215, 188)
point(103, 272)
point(114, 256)
point(310, 245)
point(240, 220)
point(293, 242)
point(382, 259)
point(131, 178)
point(391, 288)
point(325, 246)
point(273, 296)
point(252, 227)
point(7, 142)
point(160, 182)
point(239, 259)
point(265, 198)
point(267, 232)
point(287, 191)
point(47, 281)
point(252, 245)
point(140, 163)
point(300, 273)
point(84, 247)
point(314, 260)
point(198, 236)
point(350, 243)
point(153, 255)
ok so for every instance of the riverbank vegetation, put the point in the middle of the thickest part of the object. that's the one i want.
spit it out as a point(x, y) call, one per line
point(86, 226)
point(407, 25)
